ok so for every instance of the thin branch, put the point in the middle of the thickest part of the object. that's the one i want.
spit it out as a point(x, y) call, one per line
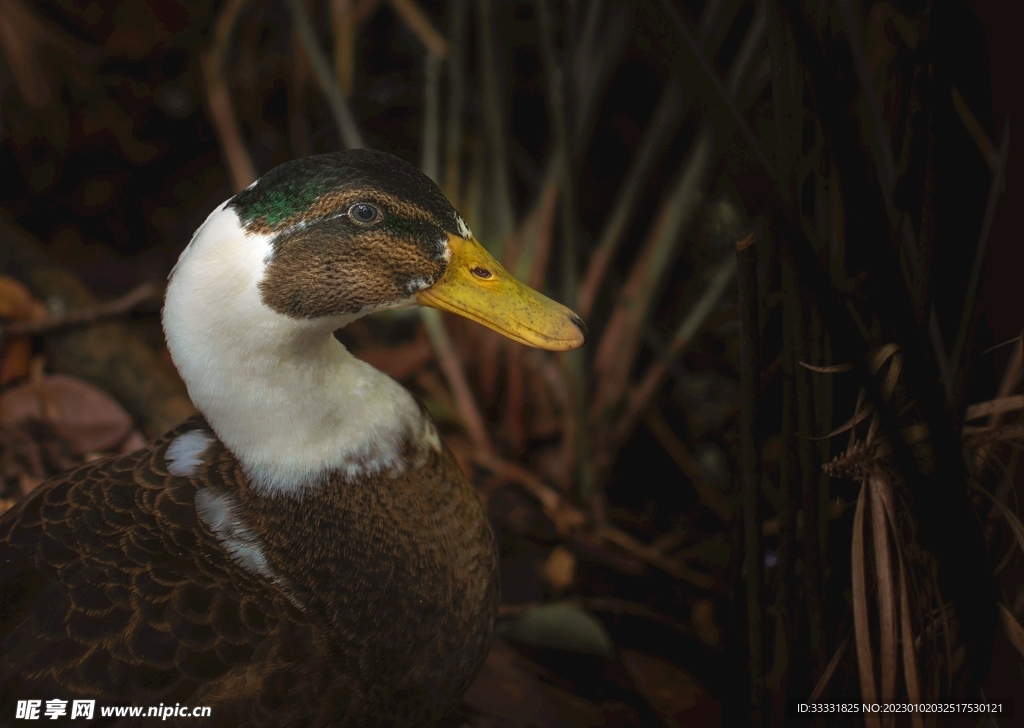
point(562, 513)
point(709, 495)
point(429, 154)
point(503, 217)
point(724, 97)
point(241, 169)
point(675, 567)
point(995, 189)
point(663, 121)
point(343, 28)
point(456, 102)
point(117, 307)
point(1012, 376)
point(453, 370)
point(884, 156)
point(884, 160)
point(685, 334)
point(750, 470)
point(617, 348)
point(985, 146)
point(418, 22)
point(830, 670)
point(325, 79)
point(557, 91)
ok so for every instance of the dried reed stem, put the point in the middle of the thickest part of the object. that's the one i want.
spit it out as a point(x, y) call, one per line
point(241, 170)
point(861, 628)
point(750, 470)
point(343, 28)
point(663, 121)
point(418, 22)
point(336, 102)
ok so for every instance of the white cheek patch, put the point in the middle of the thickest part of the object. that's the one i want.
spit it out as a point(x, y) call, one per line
point(416, 284)
point(464, 230)
point(220, 513)
point(185, 453)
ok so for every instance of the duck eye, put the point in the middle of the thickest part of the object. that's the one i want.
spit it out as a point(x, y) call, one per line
point(361, 212)
point(480, 272)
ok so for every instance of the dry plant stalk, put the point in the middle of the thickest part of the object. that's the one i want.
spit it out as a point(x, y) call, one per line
point(862, 631)
point(877, 491)
point(418, 22)
point(343, 28)
point(241, 170)
point(21, 36)
point(118, 307)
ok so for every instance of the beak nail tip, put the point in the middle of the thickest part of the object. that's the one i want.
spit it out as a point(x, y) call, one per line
point(578, 323)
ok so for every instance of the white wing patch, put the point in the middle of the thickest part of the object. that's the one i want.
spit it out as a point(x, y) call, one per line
point(220, 513)
point(185, 453)
point(464, 230)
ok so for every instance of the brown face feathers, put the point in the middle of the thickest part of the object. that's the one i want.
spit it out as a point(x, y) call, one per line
point(326, 263)
point(336, 265)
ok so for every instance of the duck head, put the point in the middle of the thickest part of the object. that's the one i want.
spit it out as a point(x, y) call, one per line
point(360, 231)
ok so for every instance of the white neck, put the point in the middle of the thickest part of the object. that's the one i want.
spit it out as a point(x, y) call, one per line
point(282, 394)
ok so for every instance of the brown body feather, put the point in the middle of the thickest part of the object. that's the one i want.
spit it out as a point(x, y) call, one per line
point(378, 612)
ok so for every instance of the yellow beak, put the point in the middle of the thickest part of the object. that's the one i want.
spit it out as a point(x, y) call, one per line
point(476, 286)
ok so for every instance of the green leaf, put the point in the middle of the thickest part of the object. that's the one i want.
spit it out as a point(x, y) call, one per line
point(563, 627)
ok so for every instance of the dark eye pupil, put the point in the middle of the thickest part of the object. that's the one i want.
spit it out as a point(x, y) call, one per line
point(364, 213)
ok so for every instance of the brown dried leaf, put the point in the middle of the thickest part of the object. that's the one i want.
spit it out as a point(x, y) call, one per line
point(861, 628)
point(884, 582)
point(1013, 629)
point(858, 417)
point(559, 569)
point(909, 656)
point(87, 418)
point(15, 359)
point(892, 377)
point(880, 356)
point(673, 693)
point(17, 304)
point(834, 369)
point(1011, 518)
point(995, 406)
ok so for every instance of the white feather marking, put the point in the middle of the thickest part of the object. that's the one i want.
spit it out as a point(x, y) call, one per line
point(282, 394)
point(185, 453)
point(417, 283)
point(429, 440)
point(219, 511)
point(464, 230)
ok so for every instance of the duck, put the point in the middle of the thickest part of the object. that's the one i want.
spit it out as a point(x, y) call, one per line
point(306, 550)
